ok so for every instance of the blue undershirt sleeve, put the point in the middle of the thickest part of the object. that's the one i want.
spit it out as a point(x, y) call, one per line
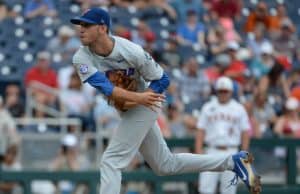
point(159, 86)
point(99, 81)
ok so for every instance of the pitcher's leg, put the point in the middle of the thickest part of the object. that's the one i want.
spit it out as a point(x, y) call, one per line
point(208, 182)
point(225, 182)
point(163, 162)
point(123, 146)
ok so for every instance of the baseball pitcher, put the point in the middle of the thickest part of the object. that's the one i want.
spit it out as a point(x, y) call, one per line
point(103, 54)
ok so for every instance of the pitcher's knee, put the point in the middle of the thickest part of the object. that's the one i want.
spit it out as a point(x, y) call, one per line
point(162, 172)
point(107, 162)
point(164, 169)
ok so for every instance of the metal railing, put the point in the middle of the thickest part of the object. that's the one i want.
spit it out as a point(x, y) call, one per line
point(32, 104)
point(62, 122)
point(92, 178)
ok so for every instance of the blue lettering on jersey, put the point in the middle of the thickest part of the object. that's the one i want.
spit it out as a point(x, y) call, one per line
point(127, 72)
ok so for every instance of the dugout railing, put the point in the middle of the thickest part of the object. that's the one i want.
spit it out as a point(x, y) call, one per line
point(91, 178)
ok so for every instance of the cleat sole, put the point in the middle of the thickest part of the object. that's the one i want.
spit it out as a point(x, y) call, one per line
point(256, 189)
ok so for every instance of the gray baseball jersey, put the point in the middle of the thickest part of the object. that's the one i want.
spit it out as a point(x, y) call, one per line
point(126, 56)
point(138, 130)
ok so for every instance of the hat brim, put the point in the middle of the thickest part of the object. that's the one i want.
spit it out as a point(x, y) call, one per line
point(77, 20)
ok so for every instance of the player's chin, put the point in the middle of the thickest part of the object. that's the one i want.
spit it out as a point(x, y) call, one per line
point(85, 42)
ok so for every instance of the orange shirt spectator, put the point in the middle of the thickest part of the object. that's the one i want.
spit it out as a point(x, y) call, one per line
point(296, 93)
point(259, 15)
point(279, 18)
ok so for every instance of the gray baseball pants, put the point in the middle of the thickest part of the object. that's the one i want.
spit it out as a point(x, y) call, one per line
point(138, 131)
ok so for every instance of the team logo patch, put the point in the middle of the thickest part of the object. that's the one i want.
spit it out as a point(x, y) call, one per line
point(83, 68)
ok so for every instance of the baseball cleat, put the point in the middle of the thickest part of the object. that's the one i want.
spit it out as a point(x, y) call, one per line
point(243, 167)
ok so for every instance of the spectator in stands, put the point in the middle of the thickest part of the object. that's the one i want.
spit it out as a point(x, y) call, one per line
point(65, 44)
point(237, 69)
point(122, 31)
point(276, 86)
point(183, 6)
point(264, 114)
point(86, 4)
point(42, 71)
point(76, 102)
point(229, 31)
point(261, 66)
point(286, 42)
point(280, 17)
point(293, 78)
point(194, 87)
point(255, 41)
point(8, 130)
point(164, 7)
point(216, 40)
point(254, 131)
point(177, 121)
point(172, 95)
point(64, 78)
point(35, 8)
point(13, 100)
point(221, 63)
point(192, 31)
point(10, 163)
point(5, 11)
point(288, 125)
point(126, 3)
point(43, 74)
point(9, 141)
point(294, 83)
point(259, 15)
point(170, 56)
point(143, 35)
point(227, 8)
point(295, 92)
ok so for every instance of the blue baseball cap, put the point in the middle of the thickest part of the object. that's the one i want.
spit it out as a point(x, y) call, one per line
point(93, 16)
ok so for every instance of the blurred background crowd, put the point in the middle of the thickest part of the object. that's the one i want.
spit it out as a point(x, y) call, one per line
point(256, 43)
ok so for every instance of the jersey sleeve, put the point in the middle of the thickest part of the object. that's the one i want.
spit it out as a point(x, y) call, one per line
point(83, 65)
point(149, 68)
point(244, 120)
point(141, 60)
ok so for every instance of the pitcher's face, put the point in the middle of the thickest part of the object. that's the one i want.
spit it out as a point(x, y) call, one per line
point(89, 33)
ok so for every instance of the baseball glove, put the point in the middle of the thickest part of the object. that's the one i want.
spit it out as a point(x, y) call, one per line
point(120, 79)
